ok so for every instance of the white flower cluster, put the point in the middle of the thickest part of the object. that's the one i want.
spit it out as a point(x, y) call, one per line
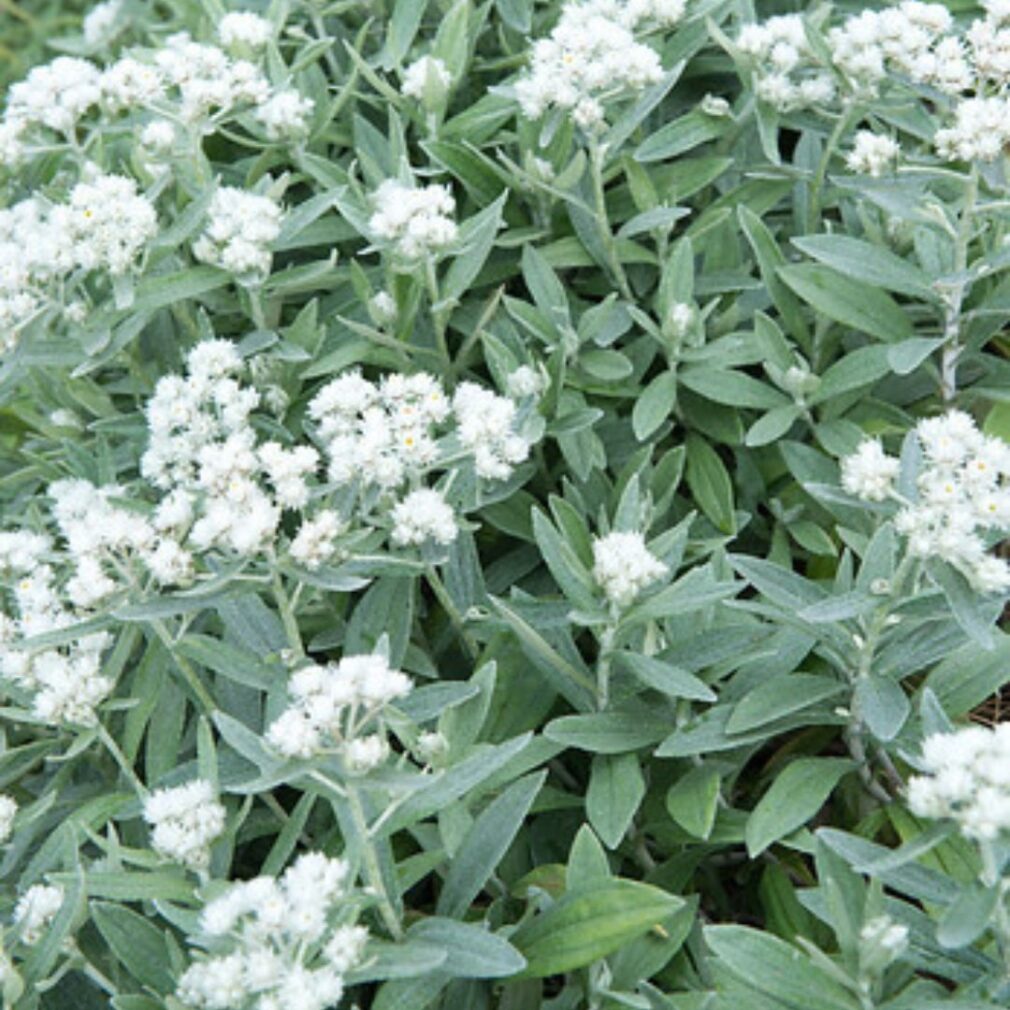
point(382, 433)
point(8, 811)
point(872, 153)
point(240, 30)
point(55, 95)
point(426, 79)
point(285, 115)
point(869, 472)
point(486, 427)
point(981, 130)
point(910, 39)
point(99, 24)
point(185, 821)
point(592, 57)
point(787, 73)
point(967, 780)
point(623, 567)
point(36, 909)
point(67, 681)
point(108, 223)
point(422, 516)
point(963, 493)
point(415, 222)
point(240, 228)
point(277, 943)
point(338, 707)
point(184, 80)
point(104, 225)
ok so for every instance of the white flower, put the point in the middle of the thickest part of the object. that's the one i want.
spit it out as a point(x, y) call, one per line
point(967, 780)
point(423, 515)
point(623, 566)
point(315, 542)
point(415, 222)
point(108, 223)
point(980, 132)
point(244, 30)
point(158, 136)
point(379, 434)
point(55, 95)
point(8, 811)
point(185, 821)
point(36, 909)
point(486, 428)
point(872, 153)
point(591, 57)
point(428, 80)
point(525, 381)
point(240, 228)
point(964, 489)
point(364, 753)
point(869, 472)
point(128, 83)
point(787, 74)
point(100, 22)
point(324, 700)
point(285, 115)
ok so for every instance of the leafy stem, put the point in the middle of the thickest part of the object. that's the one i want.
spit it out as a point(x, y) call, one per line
point(596, 158)
point(954, 297)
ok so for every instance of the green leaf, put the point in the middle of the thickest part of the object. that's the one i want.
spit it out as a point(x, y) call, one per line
point(772, 426)
point(139, 946)
point(486, 843)
point(589, 923)
point(970, 610)
point(231, 661)
point(852, 303)
point(665, 677)
point(968, 917)
point(477, 237)
point(608, 732)
point(872, 264)
point(859, 368)
point(710, 483)
point(693, 800)
point(882, 704)
point(472, 952)
point(781, 695)
point(653, 406)
point(735, 389)
point(616, 788)
point(681, 135)
point(774, 968)
point(795, 796)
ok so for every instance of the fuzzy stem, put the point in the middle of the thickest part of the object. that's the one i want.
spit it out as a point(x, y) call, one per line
point(287, 614)
point(373, 871)
point(603, 666)
point(596, 155)
point(448, 605)
point(955, 297)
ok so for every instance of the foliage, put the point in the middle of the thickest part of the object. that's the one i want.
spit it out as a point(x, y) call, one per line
point(504, 523)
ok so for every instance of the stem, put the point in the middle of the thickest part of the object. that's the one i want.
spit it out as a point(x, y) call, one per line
point(287, 614)
point(438, 316)
point(602, 221)
point(603, 666)
point(848, 116)
point(192, 678)
point(455, 617)
point(120, 758)
point(955, 298)
point(373, 871)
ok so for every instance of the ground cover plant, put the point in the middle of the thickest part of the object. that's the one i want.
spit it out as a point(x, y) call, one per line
point(502, 505)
